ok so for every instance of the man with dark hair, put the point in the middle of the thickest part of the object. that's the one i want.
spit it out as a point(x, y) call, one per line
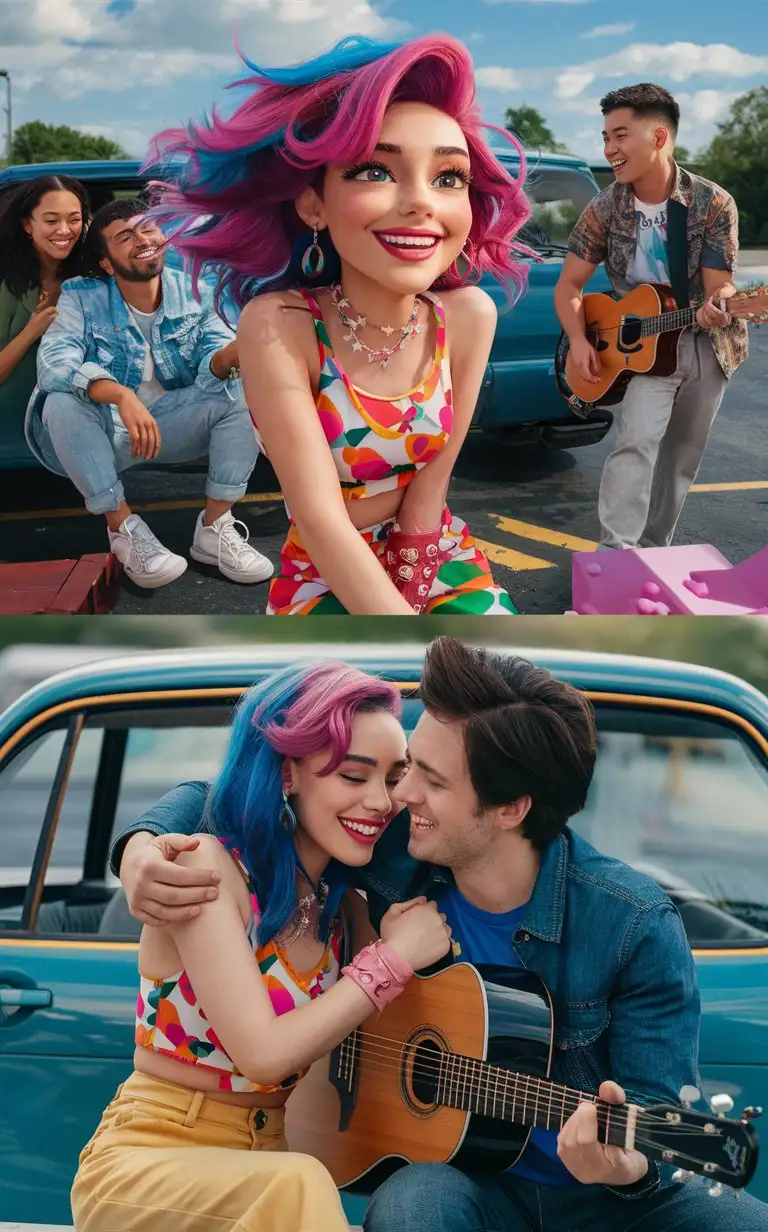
point(134, 370)
point(657, 223)
point(499, 761)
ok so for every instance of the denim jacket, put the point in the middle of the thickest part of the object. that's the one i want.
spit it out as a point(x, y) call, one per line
point(95, 337)
point(606, 940)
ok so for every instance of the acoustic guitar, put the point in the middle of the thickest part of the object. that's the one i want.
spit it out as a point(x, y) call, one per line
point(638, 333)
point(457, 1069)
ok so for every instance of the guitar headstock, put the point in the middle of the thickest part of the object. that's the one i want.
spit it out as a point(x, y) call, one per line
point(705, 1143)
point(750, 305)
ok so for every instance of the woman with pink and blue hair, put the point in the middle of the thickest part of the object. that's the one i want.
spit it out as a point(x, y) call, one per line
point(237, 1001)
point(348, 206)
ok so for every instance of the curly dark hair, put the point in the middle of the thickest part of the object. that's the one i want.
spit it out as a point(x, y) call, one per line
point(19, 263)
point(645, 99)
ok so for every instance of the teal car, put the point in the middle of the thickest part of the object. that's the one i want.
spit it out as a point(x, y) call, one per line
point(681, 791)
point(519, 402)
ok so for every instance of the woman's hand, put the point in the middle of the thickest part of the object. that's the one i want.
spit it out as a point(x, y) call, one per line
point(38, 323)
point(417, 931)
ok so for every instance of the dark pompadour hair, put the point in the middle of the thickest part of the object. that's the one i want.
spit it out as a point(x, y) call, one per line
point(645, 99)
point(525, 732)
point(121, 208)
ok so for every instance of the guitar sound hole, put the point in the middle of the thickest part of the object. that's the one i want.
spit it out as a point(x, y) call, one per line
point(420, 1073)
point(630, 334)
point(426, 1070)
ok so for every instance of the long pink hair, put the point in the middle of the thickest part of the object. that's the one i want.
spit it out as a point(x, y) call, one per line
point(236, 180)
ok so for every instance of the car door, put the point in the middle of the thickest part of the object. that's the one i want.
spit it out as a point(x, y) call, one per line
point(68, 986)
point(682, 795)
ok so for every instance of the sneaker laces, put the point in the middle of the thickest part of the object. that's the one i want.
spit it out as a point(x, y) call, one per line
point(238, 544)
point(144, 545)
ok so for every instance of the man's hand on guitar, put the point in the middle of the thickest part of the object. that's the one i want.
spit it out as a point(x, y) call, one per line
point(587, 1158)
point(586, 359)
point(710, 315)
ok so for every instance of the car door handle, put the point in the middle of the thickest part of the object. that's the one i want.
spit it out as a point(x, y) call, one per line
point(27, 998)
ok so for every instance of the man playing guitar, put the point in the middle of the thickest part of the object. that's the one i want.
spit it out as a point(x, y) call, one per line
point(499, 762)
point(660, 224)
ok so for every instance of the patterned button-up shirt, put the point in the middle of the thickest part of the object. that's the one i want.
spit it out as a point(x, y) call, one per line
point(607, 232)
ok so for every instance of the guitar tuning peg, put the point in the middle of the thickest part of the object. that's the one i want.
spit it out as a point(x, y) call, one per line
point(751, 1113)
point(716, 1189)
point(689, 1095)
point(721, 1105)
point(682, 1177)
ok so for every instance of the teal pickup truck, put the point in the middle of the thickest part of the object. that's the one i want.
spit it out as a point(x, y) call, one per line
point(519, 402)
point(680, 792)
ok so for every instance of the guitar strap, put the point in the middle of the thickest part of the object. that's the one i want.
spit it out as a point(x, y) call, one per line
point(677, 250)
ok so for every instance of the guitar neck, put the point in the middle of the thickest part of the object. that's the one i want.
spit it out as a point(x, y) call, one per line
point(667, 321)
point(506, 1095)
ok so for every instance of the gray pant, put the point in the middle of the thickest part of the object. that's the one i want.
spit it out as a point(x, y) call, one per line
point(663, 432)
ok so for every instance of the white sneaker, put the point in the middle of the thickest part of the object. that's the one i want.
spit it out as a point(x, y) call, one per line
point(222, 545)
point(143, 557)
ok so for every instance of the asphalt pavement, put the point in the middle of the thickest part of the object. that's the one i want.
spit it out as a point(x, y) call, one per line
point(530, 509)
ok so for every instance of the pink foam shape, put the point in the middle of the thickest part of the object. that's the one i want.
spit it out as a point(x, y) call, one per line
point(745, 584)
point(594, 570)
point(655, 581)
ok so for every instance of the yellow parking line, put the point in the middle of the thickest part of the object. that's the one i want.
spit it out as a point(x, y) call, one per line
point(513, 560)
point(30, 515)
point(749, 485)
point(542, 534)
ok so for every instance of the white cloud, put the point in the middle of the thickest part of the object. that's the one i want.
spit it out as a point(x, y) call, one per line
point(496, 78)
point(161, 41)
point(618, 27)
point(675, 61)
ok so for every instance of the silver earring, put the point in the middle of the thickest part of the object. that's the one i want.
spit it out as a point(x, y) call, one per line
point(288, 816)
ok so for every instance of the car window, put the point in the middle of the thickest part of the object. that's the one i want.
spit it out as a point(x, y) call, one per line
point(558, 196)
point(686, 801)
point(683, 799)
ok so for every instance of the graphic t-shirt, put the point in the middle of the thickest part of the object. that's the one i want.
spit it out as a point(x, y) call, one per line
point(650, 263)
point(486, 937)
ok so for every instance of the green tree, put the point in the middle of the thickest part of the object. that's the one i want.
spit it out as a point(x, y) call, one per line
point(530, 127)
point(737, 158)
point(36, 142)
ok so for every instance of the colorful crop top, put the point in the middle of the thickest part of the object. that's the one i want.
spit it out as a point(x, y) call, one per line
point(379, 443)
point(171, 1021)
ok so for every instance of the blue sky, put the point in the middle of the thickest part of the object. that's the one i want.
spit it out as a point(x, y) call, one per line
point(127, 68)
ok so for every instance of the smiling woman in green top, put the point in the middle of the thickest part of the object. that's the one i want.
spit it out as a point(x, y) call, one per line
point(42, 242)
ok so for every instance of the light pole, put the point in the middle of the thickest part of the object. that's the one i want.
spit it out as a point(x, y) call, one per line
point(9, 128)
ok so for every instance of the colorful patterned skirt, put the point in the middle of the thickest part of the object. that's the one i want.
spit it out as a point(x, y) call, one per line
point(463, 585)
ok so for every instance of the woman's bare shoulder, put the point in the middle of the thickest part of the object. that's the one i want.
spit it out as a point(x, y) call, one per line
point(469, 304)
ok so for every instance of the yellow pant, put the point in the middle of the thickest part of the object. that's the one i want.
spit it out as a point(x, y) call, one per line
point(167, 1157)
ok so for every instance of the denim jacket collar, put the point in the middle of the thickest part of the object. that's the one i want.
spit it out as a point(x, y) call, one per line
point(544, 914)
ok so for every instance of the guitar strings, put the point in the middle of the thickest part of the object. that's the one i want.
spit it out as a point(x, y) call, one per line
point(641, 1139)
point(390, 1053)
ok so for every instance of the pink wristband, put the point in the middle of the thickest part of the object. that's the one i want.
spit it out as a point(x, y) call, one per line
point(380, 972)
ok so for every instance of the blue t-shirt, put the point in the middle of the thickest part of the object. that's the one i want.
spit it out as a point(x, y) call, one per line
point(485, 937)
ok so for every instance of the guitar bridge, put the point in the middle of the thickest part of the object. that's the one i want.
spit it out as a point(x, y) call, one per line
point(343, 1076)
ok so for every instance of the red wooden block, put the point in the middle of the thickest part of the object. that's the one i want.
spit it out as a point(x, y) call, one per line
point(85, 587)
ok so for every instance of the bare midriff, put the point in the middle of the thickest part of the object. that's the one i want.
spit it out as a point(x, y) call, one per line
point(198, 1078)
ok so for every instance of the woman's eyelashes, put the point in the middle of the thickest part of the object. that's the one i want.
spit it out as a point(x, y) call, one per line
point(362, 172)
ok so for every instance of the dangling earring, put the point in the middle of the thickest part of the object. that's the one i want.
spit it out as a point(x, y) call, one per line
point(468, 265)
point(288, 817)
point(313, 261)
